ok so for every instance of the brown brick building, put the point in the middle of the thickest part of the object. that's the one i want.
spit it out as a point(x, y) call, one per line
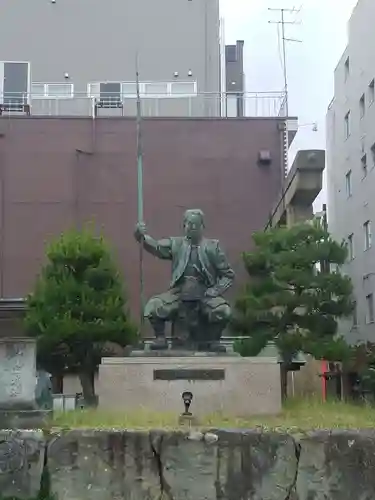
point(57, 173)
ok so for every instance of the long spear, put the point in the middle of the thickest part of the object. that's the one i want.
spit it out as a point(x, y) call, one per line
point(140, 194)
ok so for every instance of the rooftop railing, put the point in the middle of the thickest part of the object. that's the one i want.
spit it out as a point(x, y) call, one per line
point(226, 105)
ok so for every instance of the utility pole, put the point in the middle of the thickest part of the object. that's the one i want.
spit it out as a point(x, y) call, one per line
point(282, 22)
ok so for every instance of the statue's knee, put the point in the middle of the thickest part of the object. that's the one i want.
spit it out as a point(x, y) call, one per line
point(222, 313)
point(153, 308)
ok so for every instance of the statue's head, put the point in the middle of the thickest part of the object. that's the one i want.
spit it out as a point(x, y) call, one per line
point(194, 224)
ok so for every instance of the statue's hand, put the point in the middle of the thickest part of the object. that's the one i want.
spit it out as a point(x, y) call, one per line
point(140, 230)
point(212, 292)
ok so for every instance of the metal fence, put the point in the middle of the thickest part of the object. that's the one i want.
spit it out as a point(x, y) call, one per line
point(226, 105)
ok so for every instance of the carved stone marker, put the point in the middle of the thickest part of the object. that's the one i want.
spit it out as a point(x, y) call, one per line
point(18, 407)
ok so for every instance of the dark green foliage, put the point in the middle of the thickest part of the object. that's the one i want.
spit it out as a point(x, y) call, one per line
point(289, 300)
point(78, 309)
point(362, 362)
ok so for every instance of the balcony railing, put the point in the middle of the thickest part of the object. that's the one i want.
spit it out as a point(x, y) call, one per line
point(226, 105)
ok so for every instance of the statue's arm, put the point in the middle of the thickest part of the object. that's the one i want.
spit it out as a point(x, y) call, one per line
point(162, 249)
point(224, 271)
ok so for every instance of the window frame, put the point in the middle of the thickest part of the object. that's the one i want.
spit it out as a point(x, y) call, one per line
point(91, 92)
point(362, 106)
point(364, 165)
point(351, 253)
point(367, 234)
point(29, 83)
point(371, 91)
point(347, 68)
point(46, 94)
point(370, 312)
point(348, 183)
point(372, 151)
point(177, 95)
point(347, 128)
point(355, 315)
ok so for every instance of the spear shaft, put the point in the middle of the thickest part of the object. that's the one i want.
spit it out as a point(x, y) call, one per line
point(140, 195)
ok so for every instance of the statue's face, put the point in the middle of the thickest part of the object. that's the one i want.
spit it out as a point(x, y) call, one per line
point(193, 227)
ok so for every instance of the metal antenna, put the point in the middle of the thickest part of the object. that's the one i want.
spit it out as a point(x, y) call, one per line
point(282, 22)
point(285, 141)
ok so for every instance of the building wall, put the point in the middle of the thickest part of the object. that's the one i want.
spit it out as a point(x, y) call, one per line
point(96, 41)
point(347, 212)
point(59, 173)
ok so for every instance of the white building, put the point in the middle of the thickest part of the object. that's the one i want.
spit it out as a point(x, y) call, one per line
point(351, 162)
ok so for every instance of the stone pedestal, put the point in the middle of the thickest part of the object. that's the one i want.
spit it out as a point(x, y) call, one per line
point(18, 380)
point(231, 385)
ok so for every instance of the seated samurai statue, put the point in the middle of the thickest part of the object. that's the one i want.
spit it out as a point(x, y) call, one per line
point(200, 276)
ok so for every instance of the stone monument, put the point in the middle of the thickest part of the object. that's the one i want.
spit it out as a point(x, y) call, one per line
point(197, 365)
point(18, 380)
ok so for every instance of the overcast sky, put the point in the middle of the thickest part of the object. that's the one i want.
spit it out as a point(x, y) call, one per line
point(310, 64)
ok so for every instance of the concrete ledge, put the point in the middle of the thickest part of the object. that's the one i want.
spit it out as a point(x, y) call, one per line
point(24, 419)
point(191, 360)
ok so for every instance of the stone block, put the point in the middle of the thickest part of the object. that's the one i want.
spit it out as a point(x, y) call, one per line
point(237, 465)
point(109, 465)
point(231, 385)
point(21, 463)
point(336, 465)
point(103, 465)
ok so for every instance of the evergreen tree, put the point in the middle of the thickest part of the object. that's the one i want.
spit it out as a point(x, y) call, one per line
point(295, 296)
point(78, 307)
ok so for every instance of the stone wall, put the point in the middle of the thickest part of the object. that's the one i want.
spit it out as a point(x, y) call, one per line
point(191, 465)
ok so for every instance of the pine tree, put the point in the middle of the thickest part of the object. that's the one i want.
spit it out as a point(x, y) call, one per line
point(78, 307)
point(295, 296)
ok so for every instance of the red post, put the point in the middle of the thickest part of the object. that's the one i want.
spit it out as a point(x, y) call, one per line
point(324, 380)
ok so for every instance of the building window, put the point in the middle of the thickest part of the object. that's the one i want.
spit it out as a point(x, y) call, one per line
point(231, 53)
point(116, 91)
point(370, 308)
point(129, 89)
point(348, 180)
point(346, 68)
point(372, 149)
point(347, 125)
point(362, 106)
point(52, 90)
point(364, 165)
point(351, 247)
point(355, 315)
point(14, 84)
point(371, 91)
point(367, 234)
point(107, 94)
point(155, 89)
point(180, 89)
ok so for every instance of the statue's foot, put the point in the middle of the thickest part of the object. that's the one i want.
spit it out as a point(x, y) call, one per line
point(159, 344)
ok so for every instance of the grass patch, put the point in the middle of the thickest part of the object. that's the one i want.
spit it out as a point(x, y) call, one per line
point(296, 415)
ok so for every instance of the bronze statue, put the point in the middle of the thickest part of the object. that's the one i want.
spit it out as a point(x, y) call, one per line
point(200, 275)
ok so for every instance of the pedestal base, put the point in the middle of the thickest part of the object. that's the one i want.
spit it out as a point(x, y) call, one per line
point(187, 420)
point(230, 385)
point(24, 419)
